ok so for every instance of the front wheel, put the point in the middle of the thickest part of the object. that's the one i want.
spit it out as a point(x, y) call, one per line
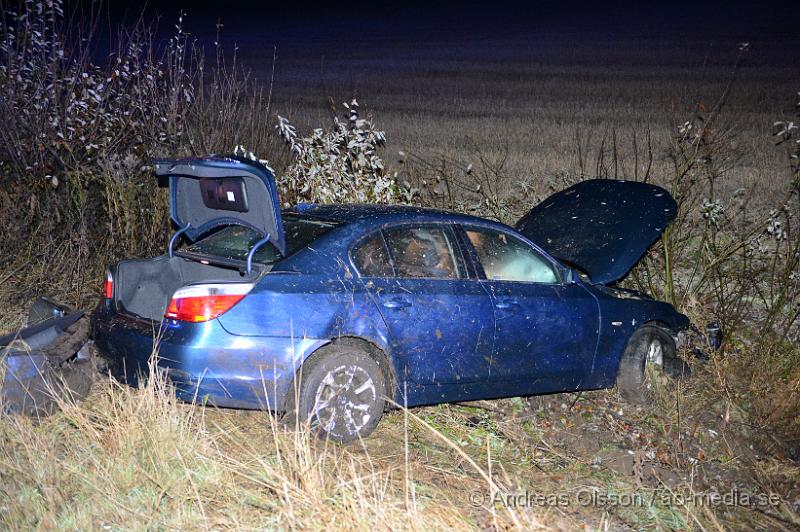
point(340, 393)
point(650, 356)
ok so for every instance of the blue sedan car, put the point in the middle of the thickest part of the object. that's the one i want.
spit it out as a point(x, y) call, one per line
point(334, 313)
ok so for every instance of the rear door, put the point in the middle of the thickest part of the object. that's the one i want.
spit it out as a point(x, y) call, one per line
point(440, 321)
point(546, 330)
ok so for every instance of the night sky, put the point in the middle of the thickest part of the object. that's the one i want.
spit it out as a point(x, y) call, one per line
point(379, 20)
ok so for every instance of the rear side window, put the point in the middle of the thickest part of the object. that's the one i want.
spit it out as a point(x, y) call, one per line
point(505, 258)
point(371, 259)
point(234, 241)
point(424, 252)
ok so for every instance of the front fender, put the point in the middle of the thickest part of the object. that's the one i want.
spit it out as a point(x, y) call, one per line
point(620, 318)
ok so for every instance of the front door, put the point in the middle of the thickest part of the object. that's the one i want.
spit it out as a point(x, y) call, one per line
point(545, 330)
point(440, 322)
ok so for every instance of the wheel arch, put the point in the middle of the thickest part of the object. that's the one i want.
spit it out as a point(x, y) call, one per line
point(364, 344)
point(665, 327)
point(631, 367)
point(657, 323)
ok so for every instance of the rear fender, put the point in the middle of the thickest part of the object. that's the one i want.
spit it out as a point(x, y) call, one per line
point(306, 306)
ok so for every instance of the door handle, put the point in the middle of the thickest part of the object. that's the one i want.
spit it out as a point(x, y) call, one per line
point(396, 303)
point(505, 305)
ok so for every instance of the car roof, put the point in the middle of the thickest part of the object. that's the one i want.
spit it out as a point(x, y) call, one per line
point(357, 220)
point(376, 214)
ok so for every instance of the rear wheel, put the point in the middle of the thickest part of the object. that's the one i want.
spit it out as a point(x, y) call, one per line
point(340, 393)
point(650, 357)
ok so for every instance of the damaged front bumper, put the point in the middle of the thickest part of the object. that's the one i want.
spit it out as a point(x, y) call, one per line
point(47, 362)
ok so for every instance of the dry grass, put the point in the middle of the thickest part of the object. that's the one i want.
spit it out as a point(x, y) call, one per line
point(137, 458)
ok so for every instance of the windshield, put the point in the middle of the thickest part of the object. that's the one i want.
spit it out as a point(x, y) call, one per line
point(234, 242)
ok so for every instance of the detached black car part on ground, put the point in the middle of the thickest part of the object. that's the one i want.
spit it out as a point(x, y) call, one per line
point(46, 362)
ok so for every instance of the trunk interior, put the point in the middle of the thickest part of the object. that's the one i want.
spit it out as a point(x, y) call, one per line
point(144, 287)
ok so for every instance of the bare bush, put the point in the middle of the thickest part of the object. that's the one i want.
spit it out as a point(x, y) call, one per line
point(60, 110)
point(338, 165)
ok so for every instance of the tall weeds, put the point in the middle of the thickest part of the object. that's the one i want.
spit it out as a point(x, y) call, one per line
point(78, 137)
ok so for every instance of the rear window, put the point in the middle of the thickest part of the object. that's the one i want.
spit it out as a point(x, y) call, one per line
point(234, 242)
point(371, 259)
point(424, 252)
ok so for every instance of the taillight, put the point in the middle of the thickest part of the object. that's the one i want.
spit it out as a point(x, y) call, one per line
point(108, 286)
point(205, 302)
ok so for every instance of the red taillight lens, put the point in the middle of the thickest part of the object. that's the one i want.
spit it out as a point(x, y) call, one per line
point(108, 286)
point(204, 302)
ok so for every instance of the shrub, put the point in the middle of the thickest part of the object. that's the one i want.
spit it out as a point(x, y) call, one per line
point(339, 165)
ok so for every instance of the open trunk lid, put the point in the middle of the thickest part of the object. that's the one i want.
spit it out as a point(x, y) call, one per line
point(601, 226)
point(210, 192)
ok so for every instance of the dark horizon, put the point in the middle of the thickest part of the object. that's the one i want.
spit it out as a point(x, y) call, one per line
point(365, 21)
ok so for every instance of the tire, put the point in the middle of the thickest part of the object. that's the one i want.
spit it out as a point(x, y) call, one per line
point(650, 354)
point(339, 393)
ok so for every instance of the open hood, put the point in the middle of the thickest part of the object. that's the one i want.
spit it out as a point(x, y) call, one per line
point(601, 226)
point(210, 192)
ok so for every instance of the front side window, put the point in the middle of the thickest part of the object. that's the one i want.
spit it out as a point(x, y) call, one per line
point(505, 258)
point(424, 252)
point(371, 259)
